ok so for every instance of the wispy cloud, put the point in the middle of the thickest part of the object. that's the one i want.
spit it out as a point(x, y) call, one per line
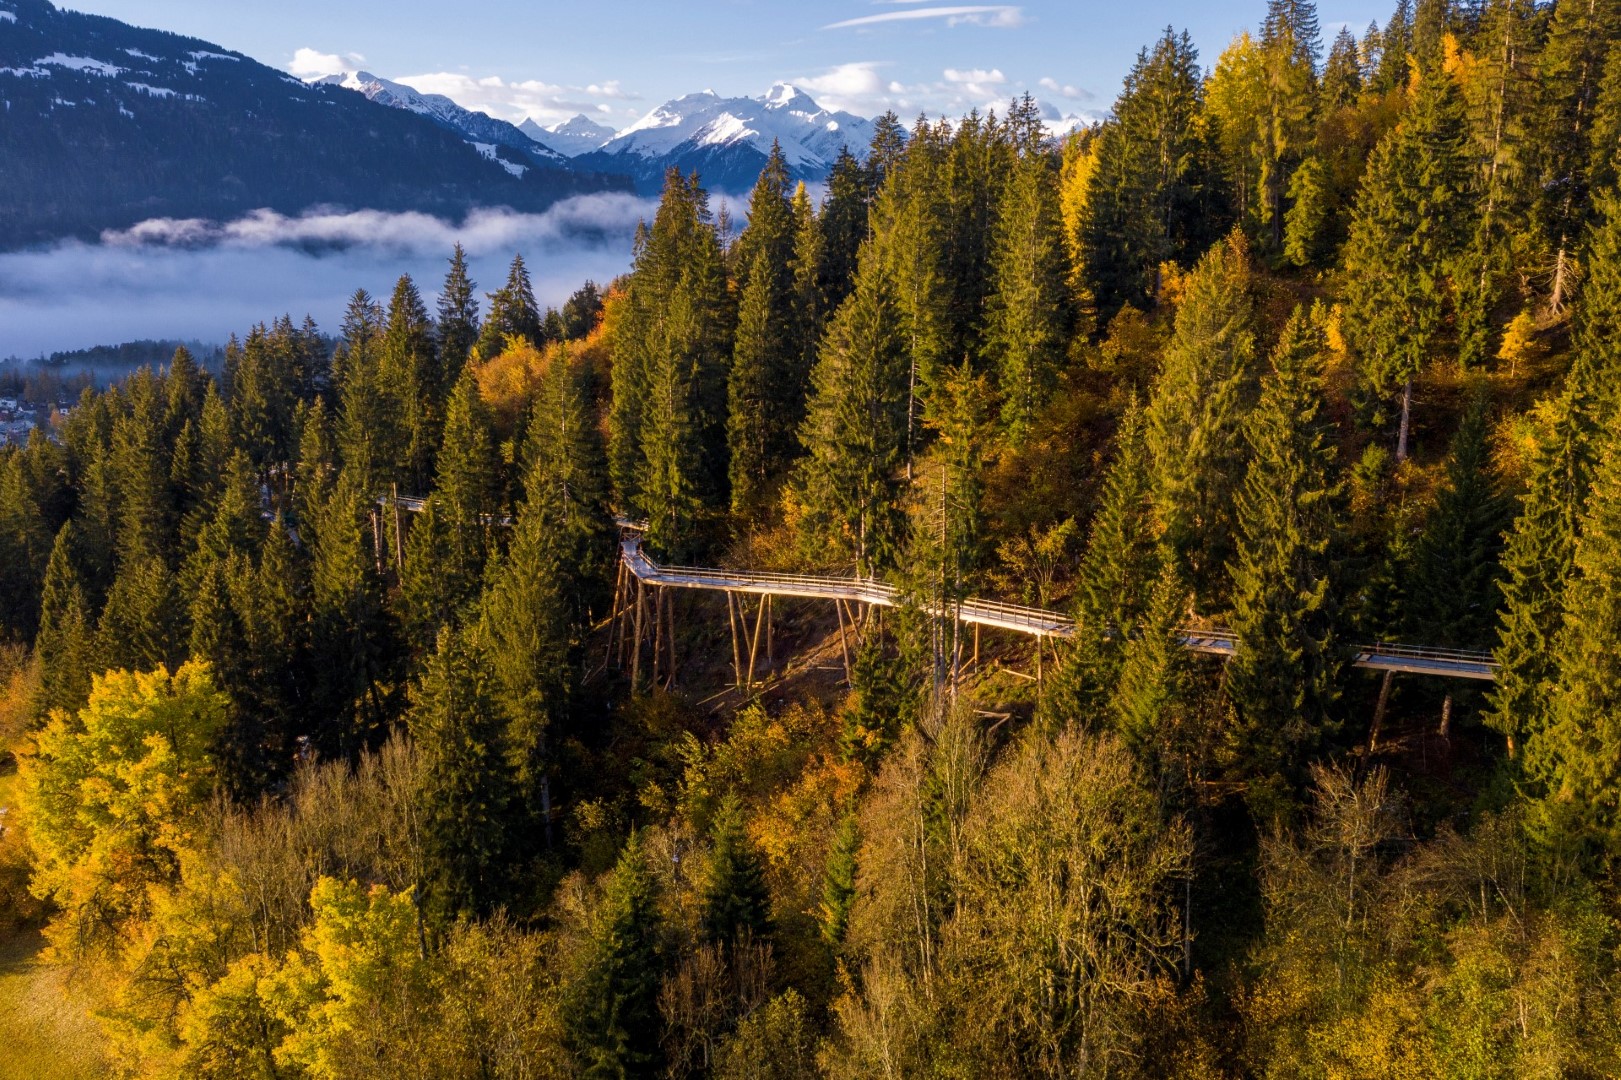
point(534, 99)
point(998, 15)
point(312, 64)
point(1065, 90)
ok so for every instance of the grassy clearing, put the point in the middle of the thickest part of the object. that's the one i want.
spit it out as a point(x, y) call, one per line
point(45, 1032)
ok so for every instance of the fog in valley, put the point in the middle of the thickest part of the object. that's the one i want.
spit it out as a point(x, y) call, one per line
point(204, 281)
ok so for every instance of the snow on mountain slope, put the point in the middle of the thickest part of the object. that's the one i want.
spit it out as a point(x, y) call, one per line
point(727, 139)
point(810, 135)
point(476, 128)
point(571, 138)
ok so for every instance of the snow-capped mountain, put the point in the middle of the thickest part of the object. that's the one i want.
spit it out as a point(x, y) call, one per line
point(495, 139)
point(104, 125)
point(727, 139)
point(571, 138)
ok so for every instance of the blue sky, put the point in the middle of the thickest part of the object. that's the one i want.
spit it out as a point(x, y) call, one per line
point(617, 60)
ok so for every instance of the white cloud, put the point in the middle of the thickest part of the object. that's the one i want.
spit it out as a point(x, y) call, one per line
point(976, 82)
point(855, 87)
point(309, 64)
point(1065, 90)
point(516, 101)
point(998, 15)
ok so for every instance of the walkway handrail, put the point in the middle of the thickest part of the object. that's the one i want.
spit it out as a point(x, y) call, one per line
point(1216, 641)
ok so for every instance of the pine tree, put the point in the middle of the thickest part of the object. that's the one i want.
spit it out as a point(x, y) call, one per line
point(1195, 419)
point(1575, 760)
point(142, 626)
point(1395, 45)
point(1414, 211)
point(839, 881)
point(65, 643)
point(458, 318)
point(1156, 679)
point(513, 313)
point(1291, 46)
point(368, 431)
point(613, 1017)
point(1342, 73)
point(25, 548)
point(1283, 679)
point(1028, 313)
point(1119, 566)
point(465, 787)
point(844, 228)
point(1156, 193)
point(408, 368)
point(1537, 559)
point(765, 386)
point(667, 419)
point(735, 901)
point(855, 429)
point(350, 632)
point(1455, 591)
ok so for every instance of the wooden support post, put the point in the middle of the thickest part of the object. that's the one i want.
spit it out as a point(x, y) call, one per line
point(737, 648)
point(669, 618)
point(769, 663)
point(636, 646)
point(976, 646)
point(613, 616)
point(399, 533)
point(754, 646)
point(377, 538)
point(658, 631)
point(1379, 712)
point(1038, 664)
point(844, 648)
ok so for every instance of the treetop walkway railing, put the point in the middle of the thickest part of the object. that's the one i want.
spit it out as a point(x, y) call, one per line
point(1037, 622)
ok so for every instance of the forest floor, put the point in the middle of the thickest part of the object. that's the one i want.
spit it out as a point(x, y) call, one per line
point(45, 1031)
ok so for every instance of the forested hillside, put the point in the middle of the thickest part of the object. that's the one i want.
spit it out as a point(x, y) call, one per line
point(1317, 342)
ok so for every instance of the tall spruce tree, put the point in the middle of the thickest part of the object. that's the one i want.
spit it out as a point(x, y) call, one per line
point(1195, 419)
point(1029, 317)
point(735, 901)
point(513, 313)
point(613, 1015)
point(458, 317)
point(855, 430)
point(1156, 194)
point(1575, 761)
point(1455, 592)
point(1412, 220)
point(1284, 676)
point(65, 643)
point(465, 789)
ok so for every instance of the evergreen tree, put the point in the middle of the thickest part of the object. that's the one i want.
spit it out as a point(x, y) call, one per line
point(1195, 419)
point(513, 313)
point(458, 317)
point(735, 901)
point(1291, 47)
point(1574, 761)
point(465, 786)
point(1156, 679)
point(1156, 195)
point(367, 424)
point(25, 548)
point(614, 1019)
point(1342, 73)
point(667, 420)
point(350, 632)
point(854, 432)
point(142, 625)
point(1284, 677)
point(839, 881)
point(765, 386)
point(844, 228)
point(409, 373)
point(1413, 212)
point(1395, 45)
point(1029, 318)
point(1119, 566)
point(1537, 560)
point(1455, 591)
point(65, 643)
